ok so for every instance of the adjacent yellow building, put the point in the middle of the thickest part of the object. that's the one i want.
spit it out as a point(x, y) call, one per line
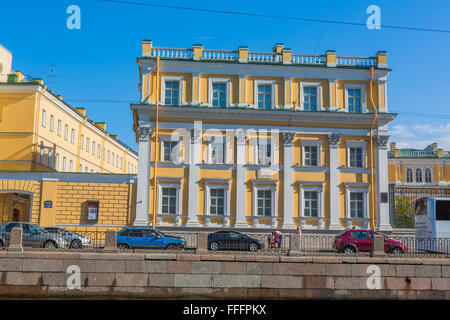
point(41, 132)
point(419, 167)
point(262, 139)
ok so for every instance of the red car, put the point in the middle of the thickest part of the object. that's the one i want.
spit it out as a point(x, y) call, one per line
point(356, 240)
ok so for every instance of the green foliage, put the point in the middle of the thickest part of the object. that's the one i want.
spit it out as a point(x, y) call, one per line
point(404, 211)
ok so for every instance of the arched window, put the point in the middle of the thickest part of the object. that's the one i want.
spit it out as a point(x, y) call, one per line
point(409, 175)
point(428, 175)
point(418, 175)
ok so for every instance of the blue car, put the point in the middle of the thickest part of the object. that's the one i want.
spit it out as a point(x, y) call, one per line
point(147, 238)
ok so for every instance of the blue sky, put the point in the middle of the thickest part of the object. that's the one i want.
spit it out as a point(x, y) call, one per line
point(96, 66)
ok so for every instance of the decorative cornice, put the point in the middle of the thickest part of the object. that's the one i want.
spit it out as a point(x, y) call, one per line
point(241, 136)
point(144, 133)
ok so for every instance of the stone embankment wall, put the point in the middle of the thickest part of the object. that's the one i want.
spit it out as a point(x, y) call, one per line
point(228, 276)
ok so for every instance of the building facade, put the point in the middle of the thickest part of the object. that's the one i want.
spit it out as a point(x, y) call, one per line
point(261, 140)
point(419, 167)
point(41, 132)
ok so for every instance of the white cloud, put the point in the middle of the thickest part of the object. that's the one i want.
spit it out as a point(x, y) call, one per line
point(421, 135)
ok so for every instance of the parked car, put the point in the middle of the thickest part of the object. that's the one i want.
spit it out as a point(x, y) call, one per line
point(76, 241)
point(147, 238)
point(232, 240)
point(33, 236)
point(357, 240)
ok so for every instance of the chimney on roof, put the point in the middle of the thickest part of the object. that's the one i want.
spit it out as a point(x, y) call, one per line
point(101, 125)
point(81, 111)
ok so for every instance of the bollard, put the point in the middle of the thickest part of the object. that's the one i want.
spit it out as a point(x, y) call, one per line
point(202, 243)
point(377, 246)
point(294, 245)
point(15, 241)
point(110, 242)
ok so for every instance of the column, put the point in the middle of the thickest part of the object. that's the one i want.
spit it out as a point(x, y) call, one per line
point(288, 187)
point(143, 181)
point(333, 141)
point(288, 92)
point(241, 189)
point(194, 160)
point(242, 90)
point(382, 182)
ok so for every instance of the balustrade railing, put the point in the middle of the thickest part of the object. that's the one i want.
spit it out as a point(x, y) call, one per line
point(172, 53)
point(308, 59)
point(356, 61)
point(223, 55)
point(263, 57)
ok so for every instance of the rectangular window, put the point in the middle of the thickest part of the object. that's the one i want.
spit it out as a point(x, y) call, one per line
point(172, 93)
point(356, 157)
point(99, 150)
point(310, 98)
point(356, 205)
point(217, 201)
point(169, 149)
point(64, 164)
point(311, 202)
point(88, 144)
point(66, 132)
point(71, 166)
point(264, 202)
point(217, 152)
point(59, 128)
point(72, 136)
point(219, 94)
point(169, 201)
point(44, 118)
point(310, 156)
point(264, 96)
point(81, 168)
point(264, 152)
point(121, 162)
point(57, 162)
point(354, 100)
point(52, 123)
point(82, 142)
point(50, 158)
point(113, 158)
point(93, 148)
point(117, 161)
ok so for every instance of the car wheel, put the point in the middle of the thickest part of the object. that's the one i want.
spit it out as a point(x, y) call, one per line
point(397, 250)
point(214, 246)
point(76, 244)
point(50, 244)
point(123, 246)
point(349, 249)
point(171, 246)
point(252, 247)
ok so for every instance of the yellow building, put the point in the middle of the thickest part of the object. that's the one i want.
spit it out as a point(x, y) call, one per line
point(252, 139)
point(417, 167)
point(41, 132)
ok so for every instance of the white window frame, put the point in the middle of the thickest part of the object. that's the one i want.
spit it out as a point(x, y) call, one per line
point(178, 202)
point(406, 175)
point(357, 144)
point(99, 151)
point(312, 143)
point(257, 188)
point(57, 161)
point(42, 153)
point(318, 86)
point(255, 89)
point(173, 138)
point(82, 142)
point(425, 175)
point(66, 132)
point(163, 88)
point(59, 128)
point(50, 158)
point(52, 123)
point(44, 118)
point(93, 148)
point(70, 165)
point(211, 81)
point(319, 190)
point(72, 136)
point(272, 151)
point(226, 204)
point(421, 175)
point(365, 192)
point(209, 150)
point(64, 164)
point(88, 144)
point(360, 86)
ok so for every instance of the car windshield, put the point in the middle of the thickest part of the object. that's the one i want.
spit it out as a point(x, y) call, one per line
point(160, 233)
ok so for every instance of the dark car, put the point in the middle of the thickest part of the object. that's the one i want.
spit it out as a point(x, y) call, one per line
point(76, 240)
point(147, 238)
point(32, 236)
point(232, 240)
point(352, 241)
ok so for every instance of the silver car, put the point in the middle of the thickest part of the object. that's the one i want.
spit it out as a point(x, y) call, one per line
point(33, 236)
point(76, 240)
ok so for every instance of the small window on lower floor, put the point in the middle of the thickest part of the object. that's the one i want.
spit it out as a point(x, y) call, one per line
point(169, 200)
point(264, 202)
point(217, 201)
point(311, 202)
point(356, 205)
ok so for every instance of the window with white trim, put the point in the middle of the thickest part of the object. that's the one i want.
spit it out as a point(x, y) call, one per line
point(311, 153)
point(172, 93)
point(428, 178)
point(117, 161)
point(66, 132)
point(42, 153)
point(57, 162)
point(64, 164)
point(264, 151)
point(168, 200)
point(356, 156)
point(72, 136)
point(99, 151)
point(265, 96)
point(93, 148)
point(44, 118)
point(216, 150)
point(88, 144)
point(356, 205)
point(113, 156)
point(418, 175)
point(310, 98)
point(409, 175)
point(52, 123)
point(264, 202)
point(310, 204)
point(82, 142)
point(169, 151)
point(109, 157)
point(219, 94)
point(71, 165)
point(217, 201)
point(50, 158)
point(59, 128)
point(355, 97)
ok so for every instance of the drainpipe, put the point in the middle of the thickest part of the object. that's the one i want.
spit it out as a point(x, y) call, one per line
point(36, 137)
point(372, 177)
point(156, 144)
